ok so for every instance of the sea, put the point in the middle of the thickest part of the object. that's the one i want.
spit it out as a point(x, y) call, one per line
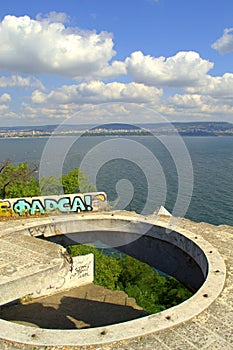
point(190, 176)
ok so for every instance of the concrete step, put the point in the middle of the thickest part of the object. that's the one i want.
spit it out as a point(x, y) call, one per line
point(82, 307)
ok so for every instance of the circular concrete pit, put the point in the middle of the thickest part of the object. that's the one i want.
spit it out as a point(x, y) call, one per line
point(162, 244)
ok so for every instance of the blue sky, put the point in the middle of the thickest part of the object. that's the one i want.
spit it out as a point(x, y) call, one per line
point(59, 60)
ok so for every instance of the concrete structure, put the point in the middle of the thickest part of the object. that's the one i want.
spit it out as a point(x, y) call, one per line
point(165, 243)
point(29, 267)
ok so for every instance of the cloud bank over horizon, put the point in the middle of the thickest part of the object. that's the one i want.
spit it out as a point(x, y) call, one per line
point(58, 69)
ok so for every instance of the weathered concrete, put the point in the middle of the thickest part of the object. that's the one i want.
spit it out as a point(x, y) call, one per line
point(208, 321)
point(32, 267)
point(82, 307)
point(166, 249)
point(27, 266)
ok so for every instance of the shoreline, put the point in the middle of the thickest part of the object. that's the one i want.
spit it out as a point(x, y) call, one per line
point(112, 135)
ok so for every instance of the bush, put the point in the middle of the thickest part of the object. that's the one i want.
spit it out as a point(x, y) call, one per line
point(107, 268)
point(152, 291)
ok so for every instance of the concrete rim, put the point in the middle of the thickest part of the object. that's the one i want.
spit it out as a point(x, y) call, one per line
point(183, 312)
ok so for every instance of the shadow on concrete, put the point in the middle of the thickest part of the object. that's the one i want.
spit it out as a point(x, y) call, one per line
point(71, 313)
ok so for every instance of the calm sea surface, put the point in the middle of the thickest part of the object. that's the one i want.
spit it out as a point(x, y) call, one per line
point(141, 173)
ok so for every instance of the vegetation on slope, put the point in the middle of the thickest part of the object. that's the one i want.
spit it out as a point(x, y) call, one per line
point(153, 292)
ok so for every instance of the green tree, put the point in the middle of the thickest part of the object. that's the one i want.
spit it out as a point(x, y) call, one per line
point(17, 180)
point(75, 181)
point(28, 188)
point(50, 185)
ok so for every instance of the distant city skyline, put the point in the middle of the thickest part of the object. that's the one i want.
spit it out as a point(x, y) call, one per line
point(116, 61)
point(118, 129)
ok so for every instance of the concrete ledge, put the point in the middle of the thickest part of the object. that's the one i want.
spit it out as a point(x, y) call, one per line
point(133, 226)
point(29, 266)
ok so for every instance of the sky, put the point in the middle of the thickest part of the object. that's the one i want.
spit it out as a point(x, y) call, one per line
point(105, 61)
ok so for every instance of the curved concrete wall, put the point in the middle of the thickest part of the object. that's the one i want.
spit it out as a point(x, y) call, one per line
point(179, 252)
point(173, 253)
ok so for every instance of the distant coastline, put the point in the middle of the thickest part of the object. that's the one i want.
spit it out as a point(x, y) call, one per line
point(118, 129)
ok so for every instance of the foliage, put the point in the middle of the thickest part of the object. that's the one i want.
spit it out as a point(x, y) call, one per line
point(107, 268)
point(50, 185)
point(76, 181)
point(19, 181)
point(152, 291)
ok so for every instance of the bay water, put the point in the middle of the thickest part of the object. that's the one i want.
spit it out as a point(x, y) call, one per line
point(142, 172)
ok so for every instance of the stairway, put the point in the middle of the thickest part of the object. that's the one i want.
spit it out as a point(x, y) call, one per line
point(83, 307)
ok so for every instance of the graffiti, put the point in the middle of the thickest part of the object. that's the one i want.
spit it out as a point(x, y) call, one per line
point(81, 271)
point(63, 204)
point(101, 196)
point(37, 231)
point(5, 205)
point(5, 208)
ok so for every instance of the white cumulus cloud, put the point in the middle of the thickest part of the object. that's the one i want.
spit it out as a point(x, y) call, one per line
point(183, 69)
point(3, 108)
point(17, 80)
point(53, 16)
point(4, 98)
point(40, 46)
point(200, 106)
point(110, 71)
point(225, 43)
point(98, 92)
point(188, 101)
point(220, 87)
